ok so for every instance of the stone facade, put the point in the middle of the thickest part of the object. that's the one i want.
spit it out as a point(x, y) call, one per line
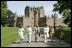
point(35, 15)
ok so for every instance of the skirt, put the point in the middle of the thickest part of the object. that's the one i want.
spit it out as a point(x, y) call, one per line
point(21, 35)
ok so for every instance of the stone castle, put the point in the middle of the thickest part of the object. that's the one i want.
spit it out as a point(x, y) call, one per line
point(35, 15)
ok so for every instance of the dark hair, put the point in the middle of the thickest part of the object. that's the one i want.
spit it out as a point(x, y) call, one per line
point(51, 27)
point(59, 25)
point(28, 26)
point(37, 25)
point(20, 26)
point(46, 25)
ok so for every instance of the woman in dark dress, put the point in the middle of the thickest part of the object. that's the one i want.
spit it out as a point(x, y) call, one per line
point(61, 33)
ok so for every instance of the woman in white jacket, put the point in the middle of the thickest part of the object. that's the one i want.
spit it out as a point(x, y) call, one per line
point(21, 30)
point(46, 33)
point(29, 31)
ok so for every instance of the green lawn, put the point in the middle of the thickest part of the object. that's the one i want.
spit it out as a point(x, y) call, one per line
point(67, 34)
point(9, 35)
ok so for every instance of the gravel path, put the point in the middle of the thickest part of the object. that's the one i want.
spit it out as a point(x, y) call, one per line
point(41, 43)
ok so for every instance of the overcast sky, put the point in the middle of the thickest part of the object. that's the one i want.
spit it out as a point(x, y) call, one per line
point(19, 6)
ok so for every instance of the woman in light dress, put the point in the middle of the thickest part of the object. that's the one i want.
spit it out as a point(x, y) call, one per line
point(52, 33)
point(46, 33)
point(21, 30)
point(29, 31)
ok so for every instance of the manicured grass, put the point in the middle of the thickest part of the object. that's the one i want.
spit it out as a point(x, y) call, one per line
point(67, 34)
point(9, 35)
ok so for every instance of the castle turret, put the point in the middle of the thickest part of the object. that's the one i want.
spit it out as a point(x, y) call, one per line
point(56, 15)
point(55, 19)
point(15, 19)
point(27, 11)
point(41, 11)
point(52, 15)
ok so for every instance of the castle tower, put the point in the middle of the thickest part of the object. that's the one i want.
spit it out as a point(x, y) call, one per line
point(15, 19)
point(29, 14)
point(27, 9)
point(41, 11)
point(33, 14)
point(55, 19)
point(56, 15)
point(52, 16)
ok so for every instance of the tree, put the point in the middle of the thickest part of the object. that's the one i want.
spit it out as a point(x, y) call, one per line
point(7, 16)
point(10, 14)
point(3, 11)
point(64, 8)
point(10, 17)
point(67, 17)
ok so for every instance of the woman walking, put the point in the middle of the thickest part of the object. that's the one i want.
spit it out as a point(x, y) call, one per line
point(52, 33)
point(21, 30)
point(29, 31)
point(61, 33)
point(46, 33)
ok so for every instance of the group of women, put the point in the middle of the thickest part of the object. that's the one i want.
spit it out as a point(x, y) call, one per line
point(29, 31)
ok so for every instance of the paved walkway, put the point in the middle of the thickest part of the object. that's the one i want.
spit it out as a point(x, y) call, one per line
point(41, 43)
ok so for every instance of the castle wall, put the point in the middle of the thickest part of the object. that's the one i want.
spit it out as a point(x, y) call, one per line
point(50, 21)
point(57, 22)
point(27, 21)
